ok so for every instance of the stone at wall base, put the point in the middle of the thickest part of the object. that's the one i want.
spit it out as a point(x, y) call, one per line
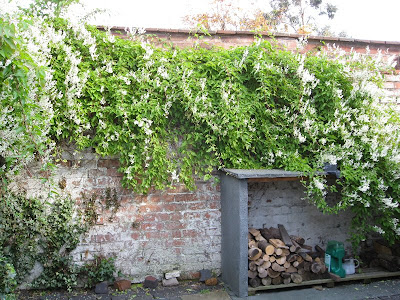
point(173, 274)
point(122, 285)
point(150, 282)
point(170, 282)
point(212, 281)
point(101, 288)
point(204, 275)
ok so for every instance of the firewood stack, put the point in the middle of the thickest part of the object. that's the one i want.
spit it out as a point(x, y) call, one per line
point(379, 254)
point(277, 258)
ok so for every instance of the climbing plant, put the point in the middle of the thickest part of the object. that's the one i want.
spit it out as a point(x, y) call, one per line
point(174, 115)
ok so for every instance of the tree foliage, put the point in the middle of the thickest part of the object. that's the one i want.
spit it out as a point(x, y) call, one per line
point(298, 15)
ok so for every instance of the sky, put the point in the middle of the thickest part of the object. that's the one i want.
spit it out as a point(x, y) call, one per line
point(360, 19)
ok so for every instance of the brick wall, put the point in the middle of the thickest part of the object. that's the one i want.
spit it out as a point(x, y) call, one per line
point(149, 234)
point(280, 202)
point(177, 228)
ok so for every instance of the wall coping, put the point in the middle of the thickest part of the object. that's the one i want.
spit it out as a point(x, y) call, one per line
point(164, 31)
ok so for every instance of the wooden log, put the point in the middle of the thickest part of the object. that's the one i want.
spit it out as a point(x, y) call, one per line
point(286, 264)
point(291, 257)
point(306, 247)
point(301, 271)
point(260, 269)
point(277, 280)
point(277, 267)
point(315, 268)
point(307, 266)
point(305, 256)
point(296, 278)
point(320, 250)
point(263, 274)
point(297, 239)
point(271, 233)
point(272, 259)
point(388, 265)
point(285, 252)
point(291, 269)
point(252, 266)
point(254, 232)
point(295, 247)
point(281, 260)
point(278, 251)
point(295, 264)
point(253, 244)
point(272, 273)
point(266, 281)
point(252, 274)
point(277, 243)
point(284, 235)
point(391, 258)
point(300, 259)
point(285, 275)
point(323, 268)
point(266, 265)
point(266, 247)
point(265, 257)
point(260, 238)
point(255, 282)
point(254, 253)
point(382, 249)
point(259, 262)
point(287, 280)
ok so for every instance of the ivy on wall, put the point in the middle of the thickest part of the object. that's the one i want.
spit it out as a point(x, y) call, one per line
point(173, 115)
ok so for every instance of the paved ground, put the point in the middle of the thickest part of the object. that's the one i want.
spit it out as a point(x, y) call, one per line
point(190, 290)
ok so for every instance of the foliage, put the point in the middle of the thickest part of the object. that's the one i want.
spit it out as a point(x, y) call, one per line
point(100, 269)
point(33, 230)
point(298, 15)
point(176, 114)
point(7, 277)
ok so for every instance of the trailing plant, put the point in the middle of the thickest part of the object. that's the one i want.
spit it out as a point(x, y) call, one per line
point(172, 115)
point(7, 278)
point(33, 230)
point(98, 270)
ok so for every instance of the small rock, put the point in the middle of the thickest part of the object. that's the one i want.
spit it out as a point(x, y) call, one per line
point(101, 288)
point(122, 285)
point(150, 282)
point(204, 275)
point(173, 274)
point(170, 282)
point(318, 287)
point(212, 281)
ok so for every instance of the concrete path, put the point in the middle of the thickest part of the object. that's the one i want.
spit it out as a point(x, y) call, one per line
point(382, 290)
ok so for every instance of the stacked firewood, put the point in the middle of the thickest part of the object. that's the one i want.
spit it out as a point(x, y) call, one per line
point(277, 258)
point(379, 254)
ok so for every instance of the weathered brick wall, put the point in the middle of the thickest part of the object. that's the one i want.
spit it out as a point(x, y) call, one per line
point(177, 228)
point(149, 234)
point(280, 202)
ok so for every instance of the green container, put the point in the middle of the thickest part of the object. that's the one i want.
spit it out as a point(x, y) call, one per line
point(333, 258)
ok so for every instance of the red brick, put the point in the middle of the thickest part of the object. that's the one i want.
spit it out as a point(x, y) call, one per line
point(108, 163)
point(149, 208)
point(135, 235)
point(196, 206)
point(176, 234)
point(173, 226)
point(175, 207)
point(122, 285)
point(185, 197)
point(114, 172)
